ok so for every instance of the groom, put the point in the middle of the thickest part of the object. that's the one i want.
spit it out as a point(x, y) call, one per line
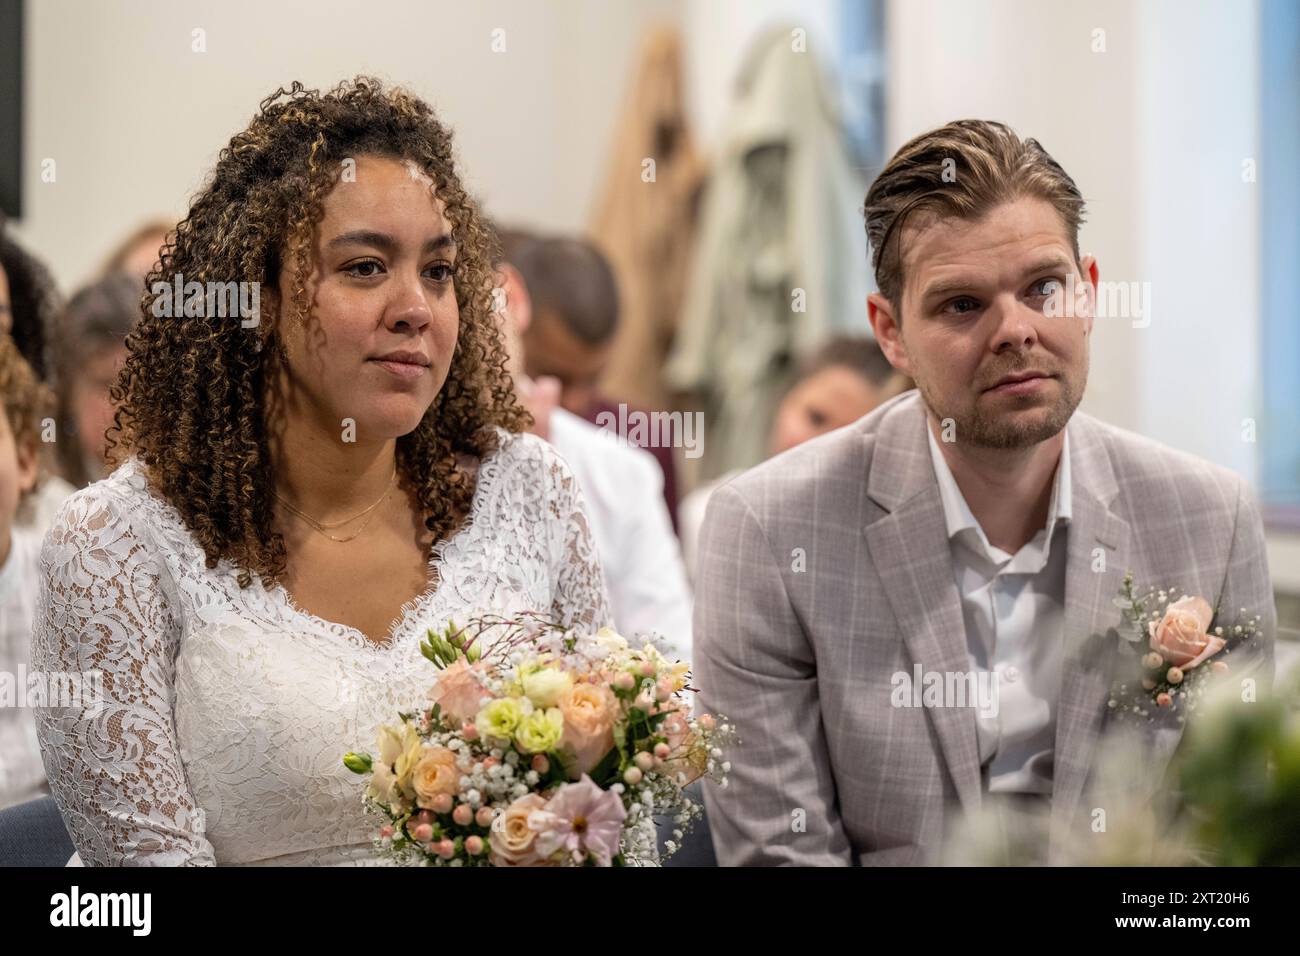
point(979, 525)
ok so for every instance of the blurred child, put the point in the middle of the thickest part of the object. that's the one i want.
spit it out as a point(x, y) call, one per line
point(24, 403)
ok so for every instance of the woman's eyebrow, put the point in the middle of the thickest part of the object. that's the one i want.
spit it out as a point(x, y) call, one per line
point(385, 242)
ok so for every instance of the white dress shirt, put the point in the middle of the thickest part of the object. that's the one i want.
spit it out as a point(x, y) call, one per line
point(639, 554)
point(1014, 609)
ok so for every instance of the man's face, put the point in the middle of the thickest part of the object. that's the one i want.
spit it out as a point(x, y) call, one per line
point(972, 303)
point(551, 349)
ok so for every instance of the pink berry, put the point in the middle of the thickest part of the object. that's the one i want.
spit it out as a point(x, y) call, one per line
point(644, 761)
point(474, 845)
point(463, 814)
point(647, 669)
point(632, 776)
point(662, 750)
point(423, 833)
point(484, 816)
point(469, 731)
point(446, 849)
point(541, 764)
point(442, 803)
point(624, 681)
point(1163, 699)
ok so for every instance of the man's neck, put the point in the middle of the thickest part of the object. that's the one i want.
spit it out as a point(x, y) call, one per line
point(1008, 490)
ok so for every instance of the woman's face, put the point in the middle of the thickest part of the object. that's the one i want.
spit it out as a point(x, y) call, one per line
point(92, 406)
point(378, 340)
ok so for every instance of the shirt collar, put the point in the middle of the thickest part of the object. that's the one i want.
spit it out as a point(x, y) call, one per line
point(957, 514)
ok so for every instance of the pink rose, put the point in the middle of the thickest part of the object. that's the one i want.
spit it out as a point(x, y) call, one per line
point(1182, 636)
point(458, 691)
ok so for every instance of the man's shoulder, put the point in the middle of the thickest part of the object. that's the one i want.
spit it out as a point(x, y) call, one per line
point(1150, 473)
point(838, 460)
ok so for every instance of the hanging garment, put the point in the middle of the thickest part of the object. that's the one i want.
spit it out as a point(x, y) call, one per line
point(781, 260)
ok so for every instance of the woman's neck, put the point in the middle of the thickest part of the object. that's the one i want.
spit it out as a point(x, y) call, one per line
point(326, 477)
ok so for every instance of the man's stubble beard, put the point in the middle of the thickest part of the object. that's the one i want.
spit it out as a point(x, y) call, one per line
point(981, 430)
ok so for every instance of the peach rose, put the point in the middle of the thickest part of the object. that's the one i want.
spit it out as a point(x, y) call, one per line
point(512, 838)
point(588, 711)
point(435, 774)
point(458, 691)
point(1182, 636)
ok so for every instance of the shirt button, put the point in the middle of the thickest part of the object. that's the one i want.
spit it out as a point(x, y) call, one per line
point(1011, 674)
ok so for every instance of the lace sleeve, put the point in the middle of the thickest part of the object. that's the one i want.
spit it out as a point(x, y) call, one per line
point(578, 597)
point(112, 760)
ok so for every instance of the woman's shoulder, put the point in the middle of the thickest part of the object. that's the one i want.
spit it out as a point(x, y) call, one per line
point(121, 500)
point(525, 457)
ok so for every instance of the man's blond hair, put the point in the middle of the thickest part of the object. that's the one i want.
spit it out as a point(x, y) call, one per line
point(961, 170)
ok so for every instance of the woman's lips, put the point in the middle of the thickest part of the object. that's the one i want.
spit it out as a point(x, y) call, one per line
point(403, 370)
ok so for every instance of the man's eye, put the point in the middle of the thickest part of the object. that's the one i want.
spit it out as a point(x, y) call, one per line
point(365, 269)
point(962, 305)
point(1046, 287)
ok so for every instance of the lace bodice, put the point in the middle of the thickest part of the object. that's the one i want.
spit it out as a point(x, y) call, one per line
point(226, 711)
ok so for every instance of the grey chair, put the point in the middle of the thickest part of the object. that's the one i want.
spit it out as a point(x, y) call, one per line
point(33, 834)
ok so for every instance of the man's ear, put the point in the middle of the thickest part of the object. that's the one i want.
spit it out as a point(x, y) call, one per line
point(1088, 267)
point(519, 307)
point(884, 324)
point(28, 466)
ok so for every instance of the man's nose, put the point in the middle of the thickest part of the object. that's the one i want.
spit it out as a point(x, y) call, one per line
point(1016, 325)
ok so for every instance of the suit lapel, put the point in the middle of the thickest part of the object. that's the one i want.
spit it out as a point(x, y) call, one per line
point(910, 552)
point(1096, 533)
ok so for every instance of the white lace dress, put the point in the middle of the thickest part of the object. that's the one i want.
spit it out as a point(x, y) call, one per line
point(227, 711)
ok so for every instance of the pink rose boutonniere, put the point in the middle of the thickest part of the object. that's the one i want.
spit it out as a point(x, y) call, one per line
point(1179, 646)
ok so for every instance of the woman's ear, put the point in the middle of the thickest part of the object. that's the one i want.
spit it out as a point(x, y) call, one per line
point(28, 466)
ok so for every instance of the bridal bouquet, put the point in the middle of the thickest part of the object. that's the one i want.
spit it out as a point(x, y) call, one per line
point(540, 747)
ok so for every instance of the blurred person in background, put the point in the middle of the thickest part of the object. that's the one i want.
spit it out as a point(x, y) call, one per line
point(847, 378)
point(138, 253)
point(575, 311)
point(93, 332)
point(29, 304)
point(622, 484)
point(24, 403)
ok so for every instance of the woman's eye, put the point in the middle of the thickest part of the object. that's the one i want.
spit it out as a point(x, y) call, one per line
point(442, 271)
point(365, 269)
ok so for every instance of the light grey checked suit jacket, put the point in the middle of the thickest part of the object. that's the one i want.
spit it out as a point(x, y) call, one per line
point(800, 657)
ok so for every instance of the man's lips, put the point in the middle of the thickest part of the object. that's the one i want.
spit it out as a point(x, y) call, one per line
point(1020, 383)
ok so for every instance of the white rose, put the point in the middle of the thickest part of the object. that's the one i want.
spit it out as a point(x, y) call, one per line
point(545, 686)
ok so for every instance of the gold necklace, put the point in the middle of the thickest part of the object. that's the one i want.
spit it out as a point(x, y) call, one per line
point(321, 527)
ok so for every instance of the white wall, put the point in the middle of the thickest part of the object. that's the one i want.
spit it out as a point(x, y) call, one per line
point(134, 118)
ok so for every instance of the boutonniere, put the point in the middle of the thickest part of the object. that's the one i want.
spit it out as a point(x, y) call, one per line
point(1177, 646)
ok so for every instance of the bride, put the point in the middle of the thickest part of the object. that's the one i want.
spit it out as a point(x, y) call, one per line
point(299, 496)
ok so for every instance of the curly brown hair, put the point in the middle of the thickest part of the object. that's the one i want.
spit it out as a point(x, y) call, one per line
point(27, 402)
point(193, 392)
